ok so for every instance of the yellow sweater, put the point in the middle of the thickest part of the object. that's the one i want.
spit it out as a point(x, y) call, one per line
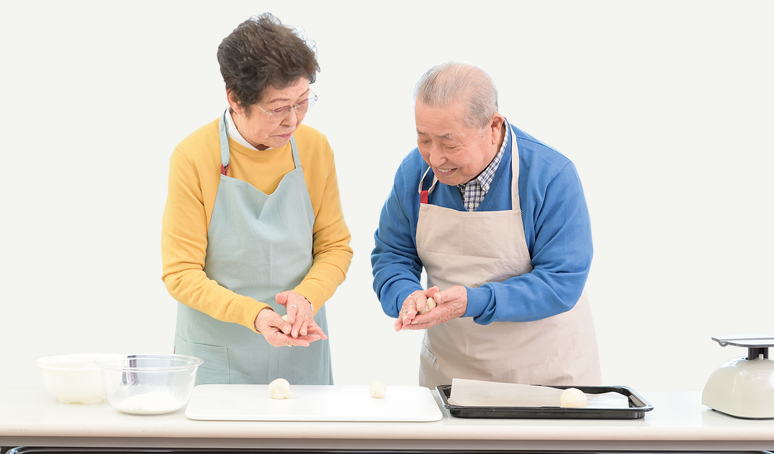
point(194, 175)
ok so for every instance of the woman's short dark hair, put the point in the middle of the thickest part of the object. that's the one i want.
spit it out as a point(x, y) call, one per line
point(263, 52)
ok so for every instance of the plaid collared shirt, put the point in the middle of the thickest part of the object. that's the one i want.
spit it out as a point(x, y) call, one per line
point(474, 191)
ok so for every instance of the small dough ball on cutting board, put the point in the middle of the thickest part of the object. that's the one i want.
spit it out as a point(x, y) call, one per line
point(428, 306)
point(377, 390)
point(573, 398)
point(280, 389)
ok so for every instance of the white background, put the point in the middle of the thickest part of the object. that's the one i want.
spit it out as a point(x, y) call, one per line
point(666, 108)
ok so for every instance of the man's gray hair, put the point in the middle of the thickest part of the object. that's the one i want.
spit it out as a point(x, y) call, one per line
point(450, 82)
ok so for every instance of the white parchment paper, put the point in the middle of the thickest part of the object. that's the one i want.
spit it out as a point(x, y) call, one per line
point(477, 393)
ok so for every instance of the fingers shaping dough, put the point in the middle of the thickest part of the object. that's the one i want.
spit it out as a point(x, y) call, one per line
point(377, 390)
point(428, 306)
point(573, 398)
point(280, 389)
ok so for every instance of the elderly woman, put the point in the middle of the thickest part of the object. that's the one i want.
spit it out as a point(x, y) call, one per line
point(253, 227)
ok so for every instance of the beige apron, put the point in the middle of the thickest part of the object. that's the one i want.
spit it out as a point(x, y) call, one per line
point(475, 248)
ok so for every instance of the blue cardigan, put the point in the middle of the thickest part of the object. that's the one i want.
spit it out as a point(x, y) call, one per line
point(556, 226)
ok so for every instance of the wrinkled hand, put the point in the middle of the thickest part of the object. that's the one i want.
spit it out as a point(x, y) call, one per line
point(450, 304)
point(277, 331)
point(300, 314)
point(412, 305)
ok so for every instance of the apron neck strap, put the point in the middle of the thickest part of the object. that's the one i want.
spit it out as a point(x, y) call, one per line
point(515, 203)
point(296, 159)
point(225, 159)
point(424, 194)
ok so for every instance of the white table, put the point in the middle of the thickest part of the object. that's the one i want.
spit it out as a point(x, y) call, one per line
point(32, 417)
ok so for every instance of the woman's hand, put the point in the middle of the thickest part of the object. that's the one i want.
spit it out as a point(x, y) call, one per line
point(276, 330)
point(300, 314)
point(450, 304)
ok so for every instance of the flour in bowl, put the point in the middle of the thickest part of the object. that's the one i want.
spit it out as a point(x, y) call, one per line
point(148, 404)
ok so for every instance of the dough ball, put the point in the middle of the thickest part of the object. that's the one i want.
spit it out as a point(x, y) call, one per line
point(377, 390)
point(280, 389)
point(573, 398)
point(285, 317)
point(428, 306)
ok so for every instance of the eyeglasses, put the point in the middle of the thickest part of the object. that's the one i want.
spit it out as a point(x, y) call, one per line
point(301, 107)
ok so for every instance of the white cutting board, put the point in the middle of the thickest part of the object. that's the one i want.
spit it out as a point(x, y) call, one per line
point(312, 403)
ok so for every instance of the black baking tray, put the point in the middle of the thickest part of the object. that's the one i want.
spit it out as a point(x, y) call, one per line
point(637, 407)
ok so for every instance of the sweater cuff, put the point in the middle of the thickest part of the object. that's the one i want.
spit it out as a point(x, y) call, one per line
point(478, 299)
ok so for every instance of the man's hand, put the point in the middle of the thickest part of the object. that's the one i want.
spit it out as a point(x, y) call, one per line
point(450, 304)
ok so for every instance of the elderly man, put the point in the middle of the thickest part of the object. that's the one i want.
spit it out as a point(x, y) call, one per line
point(498, 221)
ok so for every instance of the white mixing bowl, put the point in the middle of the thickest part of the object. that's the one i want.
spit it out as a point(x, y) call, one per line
point(73, 378)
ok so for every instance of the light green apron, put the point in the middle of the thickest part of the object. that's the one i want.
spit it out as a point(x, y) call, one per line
point(257, 245)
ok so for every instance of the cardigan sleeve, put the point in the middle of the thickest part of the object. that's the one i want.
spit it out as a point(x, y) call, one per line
point(395, 263)
point(184, 247)
point(331, 252)
point(561, 255)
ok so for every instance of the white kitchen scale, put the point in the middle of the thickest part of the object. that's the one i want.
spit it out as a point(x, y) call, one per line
point(743, 387)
